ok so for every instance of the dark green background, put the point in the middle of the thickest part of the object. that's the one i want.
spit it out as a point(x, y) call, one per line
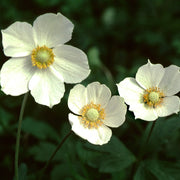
point(118, 36)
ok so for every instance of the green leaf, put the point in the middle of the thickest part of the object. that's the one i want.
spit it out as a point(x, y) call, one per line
point(39, 129)
point(5, 118)
point(94, 58)
point(164, 170)
point(61, 172)
point(114, 156)
point(108, 16)
point(163, 131)
point(65, 172)
point(43, 151)
point(142, 173)
point(22, 172)
point(157, 171)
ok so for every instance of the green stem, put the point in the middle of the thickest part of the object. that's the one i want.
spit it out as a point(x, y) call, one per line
point(53, 154)
point(19, 135)
point(150, 132)
point(145, 142)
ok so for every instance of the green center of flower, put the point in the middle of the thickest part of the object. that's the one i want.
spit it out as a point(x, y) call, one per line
point(92, 114)
point(42, 57)
point(154, 97)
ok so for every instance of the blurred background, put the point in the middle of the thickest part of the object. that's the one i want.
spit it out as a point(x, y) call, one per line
point(118, 36)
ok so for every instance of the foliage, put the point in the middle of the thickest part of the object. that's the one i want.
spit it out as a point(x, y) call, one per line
point(118, 37)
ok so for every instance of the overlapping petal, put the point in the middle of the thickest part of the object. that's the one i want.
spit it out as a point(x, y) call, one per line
point(130, 91)
point(149, 75)
point(18, 40)
point(75, 100)
point(95, 136)
point(142, 111)
point(170, 83)
point(46, 88)
point(98, 94)
point(115, 112)
point(15, 75)
point(169, 106)
point(71, 63)
point(52, 29)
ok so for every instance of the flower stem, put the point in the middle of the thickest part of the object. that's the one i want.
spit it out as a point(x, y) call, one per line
point(145, 142)
point(54, 153)
point(150, 133)
point(19, 135)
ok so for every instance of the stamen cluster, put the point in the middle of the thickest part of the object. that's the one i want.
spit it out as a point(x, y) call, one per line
point(153, 97)
point(92, 120)
point(42, 57)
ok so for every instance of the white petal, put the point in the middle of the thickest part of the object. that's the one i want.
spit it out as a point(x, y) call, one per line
point(71, 63)
point(52, 29)
point(15, 75)
point(150, 75)
point(98, 94)
point(169, 106)
point(130, 91)
point(98, 136)
point(77, 98)
point(170, 83)
point(144, 112)
point(18, 40)
point(115, 112)
point(46, 88)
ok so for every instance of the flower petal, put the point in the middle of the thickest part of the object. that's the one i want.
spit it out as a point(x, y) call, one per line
point(17, 39)
point(142, 111)
point(77, 98)
point(52, 29)
point(170, 83)
point(130, 91)
point(98, 136)
point(71, 63)
point(115, 112)
point(46, 88)
point(15, 75)
point(150, 75)
point(169, 106)
point(98, 94)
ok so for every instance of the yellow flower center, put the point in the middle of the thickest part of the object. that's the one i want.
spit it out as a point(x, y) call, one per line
point(92, 115)
point(42, 57)
point(153, 97)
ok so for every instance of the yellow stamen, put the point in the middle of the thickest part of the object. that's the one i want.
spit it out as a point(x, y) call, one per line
point(92, 115)
point(42, 57)
point(153, 97)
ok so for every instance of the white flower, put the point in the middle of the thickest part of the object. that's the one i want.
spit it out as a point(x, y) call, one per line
point(151, 94)
point(40, 61)
point(95, 109)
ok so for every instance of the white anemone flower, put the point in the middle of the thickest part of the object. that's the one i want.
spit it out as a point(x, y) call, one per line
point(40, 62)
point(151, 94)
point(95, 110)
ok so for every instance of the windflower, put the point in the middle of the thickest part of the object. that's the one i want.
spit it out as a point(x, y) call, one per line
point(40, 62)
point(151, 94)
point(94, 110)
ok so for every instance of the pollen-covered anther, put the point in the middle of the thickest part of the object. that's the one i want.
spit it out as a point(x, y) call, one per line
point(42, 57)
point(153, 97)
point(92, 115)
